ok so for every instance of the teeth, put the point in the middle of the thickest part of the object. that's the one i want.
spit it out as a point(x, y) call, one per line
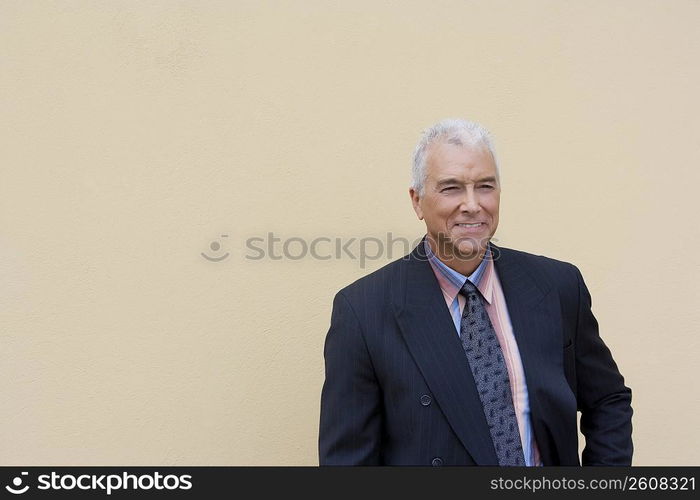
point(470, 225)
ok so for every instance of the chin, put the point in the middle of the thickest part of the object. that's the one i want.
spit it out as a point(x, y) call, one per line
point(470, 248)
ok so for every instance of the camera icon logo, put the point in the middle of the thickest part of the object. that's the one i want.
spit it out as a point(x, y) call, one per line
point(17, 482)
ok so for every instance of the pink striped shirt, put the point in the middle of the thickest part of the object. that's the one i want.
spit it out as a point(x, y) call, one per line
point(486, 280)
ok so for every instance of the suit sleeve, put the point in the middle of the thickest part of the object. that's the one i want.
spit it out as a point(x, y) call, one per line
point(350, 426)
point(602, 397)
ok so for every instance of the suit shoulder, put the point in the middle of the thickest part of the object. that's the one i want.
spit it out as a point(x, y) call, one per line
point(553, 270)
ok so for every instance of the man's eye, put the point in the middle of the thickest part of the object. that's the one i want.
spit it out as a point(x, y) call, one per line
point(486, 186)
point(449, 188)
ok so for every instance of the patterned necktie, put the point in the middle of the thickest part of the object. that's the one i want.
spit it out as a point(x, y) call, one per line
point(491, 377)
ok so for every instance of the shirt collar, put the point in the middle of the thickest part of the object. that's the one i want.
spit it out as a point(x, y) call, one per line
point(451, 282)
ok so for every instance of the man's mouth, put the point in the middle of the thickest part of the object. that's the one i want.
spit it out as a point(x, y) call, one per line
point(470, 224)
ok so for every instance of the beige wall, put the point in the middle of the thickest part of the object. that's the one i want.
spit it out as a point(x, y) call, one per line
point(134, 134)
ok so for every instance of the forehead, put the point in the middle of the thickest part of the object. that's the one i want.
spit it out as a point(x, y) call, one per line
point(444, 159)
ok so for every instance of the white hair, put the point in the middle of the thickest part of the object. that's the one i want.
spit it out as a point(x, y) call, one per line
point(452, 131)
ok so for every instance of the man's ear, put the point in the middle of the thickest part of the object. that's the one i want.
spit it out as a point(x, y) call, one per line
point(415, 200)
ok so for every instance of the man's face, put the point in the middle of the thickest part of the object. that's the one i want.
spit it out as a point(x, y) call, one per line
point(460, 201)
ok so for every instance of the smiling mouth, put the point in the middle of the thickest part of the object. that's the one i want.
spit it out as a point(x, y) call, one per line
point(473, 228)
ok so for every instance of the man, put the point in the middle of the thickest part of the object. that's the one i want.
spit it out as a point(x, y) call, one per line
point(464, 353)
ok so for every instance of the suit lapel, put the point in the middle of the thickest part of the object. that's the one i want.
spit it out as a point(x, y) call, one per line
point(533, 316)
point(429, 332)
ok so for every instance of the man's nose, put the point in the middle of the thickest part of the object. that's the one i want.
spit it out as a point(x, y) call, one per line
point(470, 202)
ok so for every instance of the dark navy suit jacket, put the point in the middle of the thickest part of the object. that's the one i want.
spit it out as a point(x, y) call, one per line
point(398, 389)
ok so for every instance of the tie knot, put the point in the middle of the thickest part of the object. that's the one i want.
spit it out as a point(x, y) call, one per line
point(468, 289)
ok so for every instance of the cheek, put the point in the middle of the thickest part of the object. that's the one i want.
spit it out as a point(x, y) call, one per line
point(446, 207)
point(436, 209)
point(492, 206)
point(437, 218)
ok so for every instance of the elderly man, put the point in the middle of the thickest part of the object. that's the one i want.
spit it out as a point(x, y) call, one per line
point(465, 353)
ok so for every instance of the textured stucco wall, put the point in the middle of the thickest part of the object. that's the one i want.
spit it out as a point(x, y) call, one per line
point(135, 134)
